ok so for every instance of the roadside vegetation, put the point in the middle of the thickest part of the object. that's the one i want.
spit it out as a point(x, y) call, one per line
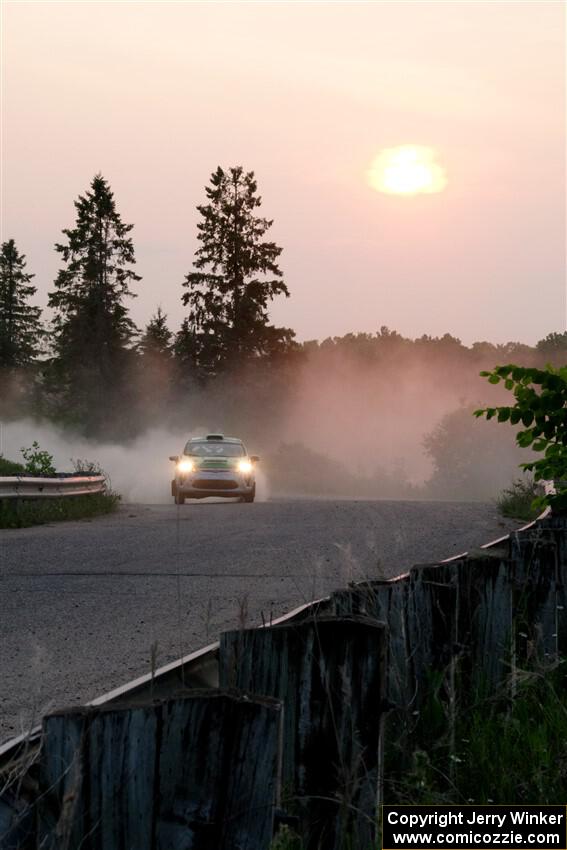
point(517, 500)
point(22, 513)
point(484, 760)
point(16, 513)
point(540, 405)
point(37, 462)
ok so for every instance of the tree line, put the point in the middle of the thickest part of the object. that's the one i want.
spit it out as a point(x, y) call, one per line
point(84, 359)
point(91, 368)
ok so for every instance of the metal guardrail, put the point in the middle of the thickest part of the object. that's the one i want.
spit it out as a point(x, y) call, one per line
point(28, 487)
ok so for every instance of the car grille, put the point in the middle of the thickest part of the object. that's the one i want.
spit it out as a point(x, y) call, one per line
point(212, 484)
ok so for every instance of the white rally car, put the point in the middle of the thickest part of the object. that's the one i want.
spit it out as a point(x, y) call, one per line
point(214, 465)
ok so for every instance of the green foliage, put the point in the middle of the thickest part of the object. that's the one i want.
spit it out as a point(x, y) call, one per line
point(16, 513)
point(503, 752)
point(541, 410)
point(10, 467)
point(503, 743)
point(235, 276)
point(38, 461)
point(92, 329)
point(517, 501)
point(20, 327)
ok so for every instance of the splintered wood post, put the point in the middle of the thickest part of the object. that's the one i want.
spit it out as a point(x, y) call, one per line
point(199, 772)
point(485, 622)
point(421, 615)
point(537, 594)
point(385, 602)
point(329, 673)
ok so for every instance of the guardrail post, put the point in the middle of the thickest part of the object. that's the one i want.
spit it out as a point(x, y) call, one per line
point(329, 673)
point(201, 771)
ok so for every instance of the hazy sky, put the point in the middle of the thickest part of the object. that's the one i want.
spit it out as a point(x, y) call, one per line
point(155, 95)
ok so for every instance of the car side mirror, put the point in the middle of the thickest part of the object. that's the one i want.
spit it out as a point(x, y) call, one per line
point(174, 458)
point(254, 458)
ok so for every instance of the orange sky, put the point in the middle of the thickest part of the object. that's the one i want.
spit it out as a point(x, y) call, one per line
point(156, 95)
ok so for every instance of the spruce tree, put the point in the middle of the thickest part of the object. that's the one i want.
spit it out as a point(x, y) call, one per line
point(235, 275)
point(92, 330)
point(156, 341)
point(185, 357)
point(155, 369)
point(20, 327)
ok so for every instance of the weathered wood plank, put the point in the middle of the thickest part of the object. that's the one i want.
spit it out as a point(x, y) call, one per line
point(384, 602)
point(536, 579)
point(191, 773)
point(329, 673)
point(484, 619)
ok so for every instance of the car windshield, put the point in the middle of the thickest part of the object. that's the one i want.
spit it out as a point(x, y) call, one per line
point(214, 448)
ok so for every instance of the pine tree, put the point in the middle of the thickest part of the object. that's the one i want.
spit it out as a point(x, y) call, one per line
point(20, 327)
point(91, 327)
point(235, 276)
point(155, 369)
point(185, 358)
point(156, 341)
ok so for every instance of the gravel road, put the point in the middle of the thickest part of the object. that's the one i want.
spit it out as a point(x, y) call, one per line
point(82, 602)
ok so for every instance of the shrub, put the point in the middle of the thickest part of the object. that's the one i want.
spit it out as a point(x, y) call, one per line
point(38, 461)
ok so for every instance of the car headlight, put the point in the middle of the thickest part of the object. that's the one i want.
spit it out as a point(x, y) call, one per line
point(245, 466)
point(185, 466)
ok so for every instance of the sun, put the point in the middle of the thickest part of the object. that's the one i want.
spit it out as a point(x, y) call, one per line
point(407, 170)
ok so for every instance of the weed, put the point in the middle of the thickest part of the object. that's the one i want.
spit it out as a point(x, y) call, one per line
point(517, 501)
point(38, 461)
point(286, 839)
point(153, 665)
point(208, 616)
point(495, 741)
point(87, 467)
point(243, 611)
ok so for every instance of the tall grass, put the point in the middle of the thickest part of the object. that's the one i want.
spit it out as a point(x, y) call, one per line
point(17, 513)
point(506, 751)
point(517, 501)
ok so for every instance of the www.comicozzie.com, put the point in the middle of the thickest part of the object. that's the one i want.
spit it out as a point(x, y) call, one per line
point(480, 827)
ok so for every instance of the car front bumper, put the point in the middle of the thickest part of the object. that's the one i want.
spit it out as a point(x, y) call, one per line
point(204, 483)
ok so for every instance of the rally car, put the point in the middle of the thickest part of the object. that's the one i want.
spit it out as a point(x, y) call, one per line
point(214, 465)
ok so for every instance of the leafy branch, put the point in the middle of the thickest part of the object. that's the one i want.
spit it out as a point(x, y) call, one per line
point(541, 408)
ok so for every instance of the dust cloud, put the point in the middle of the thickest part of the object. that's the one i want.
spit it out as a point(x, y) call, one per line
point(337, 424)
